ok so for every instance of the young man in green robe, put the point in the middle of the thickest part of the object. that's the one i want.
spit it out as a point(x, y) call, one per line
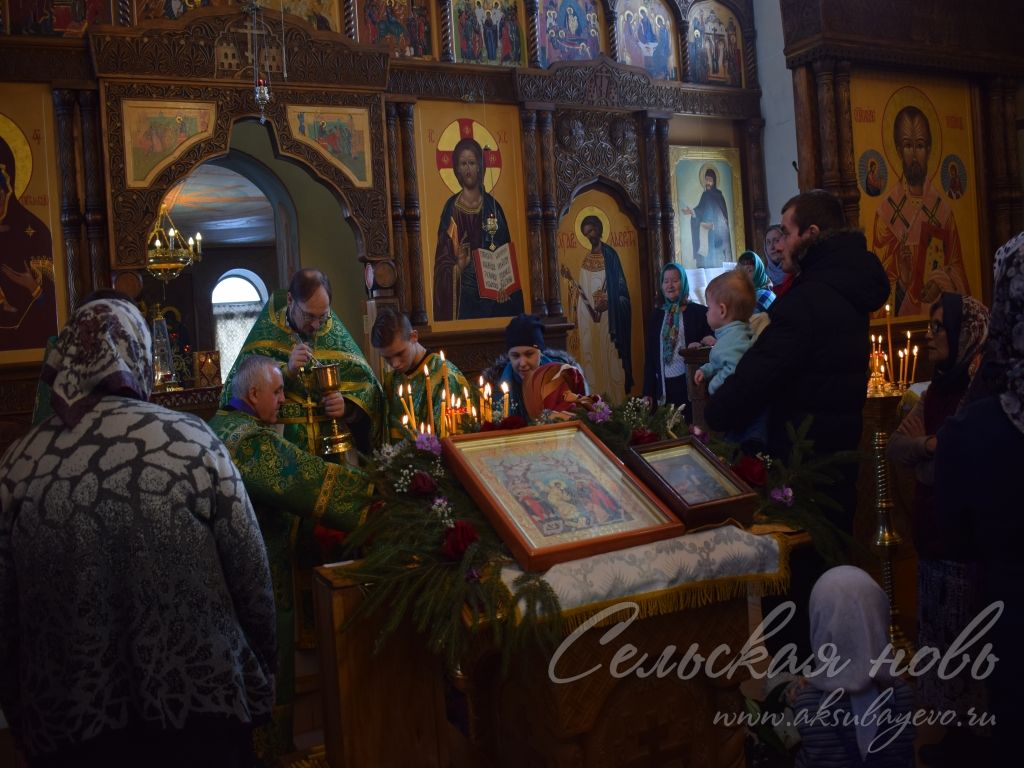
point(410, 365)
point(290, 488)
point(299, 330)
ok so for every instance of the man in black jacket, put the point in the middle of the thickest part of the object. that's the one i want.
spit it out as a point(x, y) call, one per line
point(813, 357)
point(812, 360)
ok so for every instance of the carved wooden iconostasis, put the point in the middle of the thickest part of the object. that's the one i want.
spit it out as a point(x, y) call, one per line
point(863, 71)
point(579, 98)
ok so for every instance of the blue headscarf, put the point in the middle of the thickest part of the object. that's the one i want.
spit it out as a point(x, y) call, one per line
point(672, 307)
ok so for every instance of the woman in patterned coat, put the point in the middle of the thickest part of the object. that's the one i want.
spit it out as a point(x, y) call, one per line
point(136, 609)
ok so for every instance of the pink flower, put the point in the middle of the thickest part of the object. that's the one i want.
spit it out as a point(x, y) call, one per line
point(428, 442)
point(783, 495)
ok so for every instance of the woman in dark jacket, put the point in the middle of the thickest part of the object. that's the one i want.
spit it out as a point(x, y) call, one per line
point(673, 326)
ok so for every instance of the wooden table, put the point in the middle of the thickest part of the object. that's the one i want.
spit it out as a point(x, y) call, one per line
point(388, 709)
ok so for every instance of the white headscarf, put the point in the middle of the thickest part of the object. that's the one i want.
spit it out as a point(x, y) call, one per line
point(105, 349)
point(849, 610)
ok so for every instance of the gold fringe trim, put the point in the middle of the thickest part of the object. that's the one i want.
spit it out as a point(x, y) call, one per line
point(691, 595)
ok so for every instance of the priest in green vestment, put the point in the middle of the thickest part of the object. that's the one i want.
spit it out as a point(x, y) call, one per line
point(410, 368)
point(298, 329)
point(291, 489)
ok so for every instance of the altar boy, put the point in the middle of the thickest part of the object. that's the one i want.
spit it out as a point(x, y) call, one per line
point(411, 368)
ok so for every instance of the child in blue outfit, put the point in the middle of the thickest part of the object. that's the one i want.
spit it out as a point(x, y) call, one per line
point(731, 300)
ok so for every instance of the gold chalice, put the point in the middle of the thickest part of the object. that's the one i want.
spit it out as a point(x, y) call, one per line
point(336, 439)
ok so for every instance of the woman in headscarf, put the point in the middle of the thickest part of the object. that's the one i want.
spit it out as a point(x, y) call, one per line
point(842, 710)
point(977, 488)
point(948, 594)
point(136, 611)
point(673, 325)
point(754, 266)
point(527, 351)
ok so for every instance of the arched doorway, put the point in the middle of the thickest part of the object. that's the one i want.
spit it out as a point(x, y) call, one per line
point(261, 214)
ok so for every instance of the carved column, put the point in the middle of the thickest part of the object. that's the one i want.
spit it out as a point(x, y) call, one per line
point(95, 197)
point(406, 113)
point(533, 23)
point(808, 139)
point(653, 194)
point(750, 56)
point(351, 22)
point(125, 14)
point(397, 212)
point(999, 181)
point(534, 216)
point(756, 184)
point(848, 191)
point(684, 50)
point(824, 78)
point(665, 191)
point(550, 211)
point(447, 52)
point(613, 33)
point(70, 208)
point(1013, 158)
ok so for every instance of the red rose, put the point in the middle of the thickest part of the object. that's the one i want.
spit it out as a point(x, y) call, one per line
point(328, 539)
point(512, 422)
point(751, 469)
point(457, 539)
point(643, 435)
point(422, 483)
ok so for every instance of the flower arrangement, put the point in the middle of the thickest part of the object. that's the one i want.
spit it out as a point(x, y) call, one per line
point(434, 558)
point(793, 491)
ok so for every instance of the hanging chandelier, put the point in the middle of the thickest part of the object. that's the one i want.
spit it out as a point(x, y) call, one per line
point(167, 252)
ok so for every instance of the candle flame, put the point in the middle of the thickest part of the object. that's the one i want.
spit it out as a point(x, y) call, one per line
point(504, 387)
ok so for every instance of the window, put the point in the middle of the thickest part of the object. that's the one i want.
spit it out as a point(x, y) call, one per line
point(237, 299)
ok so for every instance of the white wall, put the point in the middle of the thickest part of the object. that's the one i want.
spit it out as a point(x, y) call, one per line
point(776, 106)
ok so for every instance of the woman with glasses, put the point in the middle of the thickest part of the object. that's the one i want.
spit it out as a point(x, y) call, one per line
point(948, 597)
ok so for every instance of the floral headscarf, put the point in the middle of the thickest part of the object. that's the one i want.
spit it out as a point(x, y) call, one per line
point(105, 349)
point(966, 321)
point(1006, 328)
point(670, 328)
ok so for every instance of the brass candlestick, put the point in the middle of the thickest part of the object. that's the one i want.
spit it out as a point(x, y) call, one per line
point(887, 540)
point(336, 439)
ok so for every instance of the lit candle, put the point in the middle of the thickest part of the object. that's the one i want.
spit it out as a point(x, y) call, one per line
point(430, 396)
point(476, 414)
point(913, 369)
point(504, 400)
point(888, 328)
point(423, 428)
point(406, 406)
point(199, 243)
point(900, 378)
point(444, 376)
point(906, 358)
point(486, 406)
point(170, 236)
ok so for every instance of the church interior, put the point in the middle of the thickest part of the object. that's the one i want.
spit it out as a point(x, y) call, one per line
point(195, 156)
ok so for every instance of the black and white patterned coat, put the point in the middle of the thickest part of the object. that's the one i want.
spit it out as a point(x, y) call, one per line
point(134, 582)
